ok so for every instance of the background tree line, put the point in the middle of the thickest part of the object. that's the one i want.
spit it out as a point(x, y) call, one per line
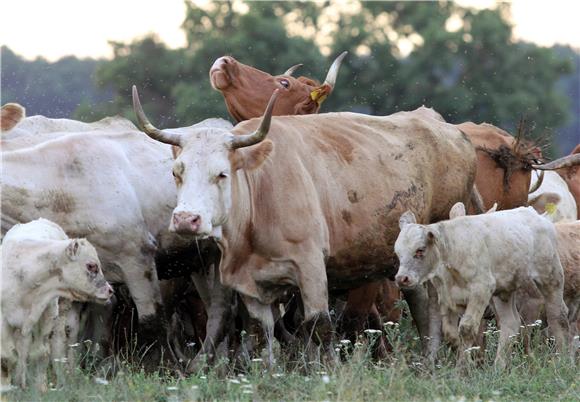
point(460, 61)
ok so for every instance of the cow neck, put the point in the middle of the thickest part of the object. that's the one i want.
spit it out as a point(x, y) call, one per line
point(238, 228)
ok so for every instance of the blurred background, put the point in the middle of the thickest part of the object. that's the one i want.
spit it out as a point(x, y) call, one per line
point(471, 60)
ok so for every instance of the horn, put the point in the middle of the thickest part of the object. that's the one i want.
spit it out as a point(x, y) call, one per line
point(564, 162)
point(333, 71)
point(150, 129)
point(538, 182)
point(291, 70)
point(240, 141)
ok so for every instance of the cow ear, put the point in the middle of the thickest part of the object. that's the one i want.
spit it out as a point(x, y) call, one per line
point(406, 219)
point(457, 210)
point(252, 157)
point(11, 115)
point(175, 150)
point(72, 250)
point(546, 202)
point(431, 238)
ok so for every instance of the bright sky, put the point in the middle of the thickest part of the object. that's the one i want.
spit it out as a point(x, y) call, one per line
point(55, 28)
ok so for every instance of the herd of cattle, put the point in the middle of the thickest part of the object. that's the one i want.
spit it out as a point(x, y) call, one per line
point(277, 221)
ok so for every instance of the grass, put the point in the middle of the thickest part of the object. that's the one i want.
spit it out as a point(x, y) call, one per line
point(404, 376)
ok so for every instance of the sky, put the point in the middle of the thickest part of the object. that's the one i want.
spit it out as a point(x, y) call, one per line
point(56, 28)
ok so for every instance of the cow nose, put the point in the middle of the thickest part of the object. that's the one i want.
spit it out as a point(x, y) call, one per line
point(403, 280)
point(110, 290)
point(186, 222)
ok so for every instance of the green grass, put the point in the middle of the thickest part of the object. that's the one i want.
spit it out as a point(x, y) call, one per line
point(404, 376)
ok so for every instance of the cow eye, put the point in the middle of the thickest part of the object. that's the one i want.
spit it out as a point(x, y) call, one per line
point(222, 175)
point(92, 268)
point(420, 252)
point(285, 83)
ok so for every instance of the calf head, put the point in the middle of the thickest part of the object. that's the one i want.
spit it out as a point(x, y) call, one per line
point(203, 169)
point(417, 252)
point(247, 90)
point(82, 274)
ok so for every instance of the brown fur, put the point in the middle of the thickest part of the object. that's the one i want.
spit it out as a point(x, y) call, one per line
point(246, 91)
point(503, 166)
point(11, 115)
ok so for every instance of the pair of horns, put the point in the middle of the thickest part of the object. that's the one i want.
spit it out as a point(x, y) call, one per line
point(332, 72)
point(239, 141)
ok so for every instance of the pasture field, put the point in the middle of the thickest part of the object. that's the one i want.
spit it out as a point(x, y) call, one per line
point(404, 376)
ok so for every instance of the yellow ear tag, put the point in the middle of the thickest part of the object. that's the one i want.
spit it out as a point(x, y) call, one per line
point(551, 208)
point(315, 96)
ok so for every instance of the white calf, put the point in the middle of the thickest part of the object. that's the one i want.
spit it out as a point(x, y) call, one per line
point(553, 198)
point(471, 260)
point(39, 265)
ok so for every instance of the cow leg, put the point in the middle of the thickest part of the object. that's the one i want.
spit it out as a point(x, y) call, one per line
point(140, 277)
point(450, 322)
point(312, 282)
point(471, 319)
point(434, 323)
point(419, 301)
point(22, 342)
point(355, 315)
point(509, 323)
point(218, 301)
point(556, 315)
point(263, 313)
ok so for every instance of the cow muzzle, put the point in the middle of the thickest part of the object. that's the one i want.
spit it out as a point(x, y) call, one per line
point(105, 293)
point(405, 281)
point(221, 71)
point(185, 223)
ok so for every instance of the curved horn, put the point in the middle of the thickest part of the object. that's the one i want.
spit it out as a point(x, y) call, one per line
point(291, 70)
point(150, 129)
point(333, 71)
point(538, 182)
point(240, 141)
point(563, 162)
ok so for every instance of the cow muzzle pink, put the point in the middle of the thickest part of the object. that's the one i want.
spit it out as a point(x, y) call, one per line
point(405, 281)
point(105, 293)
point(186, 223)
point(221, 71)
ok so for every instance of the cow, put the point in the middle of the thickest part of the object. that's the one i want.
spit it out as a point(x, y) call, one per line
point(110, 186)
point(553, 197)
point(246, 91)
point(530, 302)
point(568, 168)
point(472, 260)
point(40, 263)
point(300, 210)
point(236, 81)
point(11, 115)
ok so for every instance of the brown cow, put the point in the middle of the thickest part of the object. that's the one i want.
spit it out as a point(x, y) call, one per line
point(326, 188)
point(247, 89)
point(238, 83)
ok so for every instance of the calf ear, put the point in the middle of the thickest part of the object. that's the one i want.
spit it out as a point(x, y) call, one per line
point(407, 218)
point(457, 210)
point(252, 157)
point(431, 238)
point(72, 250)
point(546, 202)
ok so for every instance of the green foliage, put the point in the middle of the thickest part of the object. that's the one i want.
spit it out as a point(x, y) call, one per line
point(52, 89)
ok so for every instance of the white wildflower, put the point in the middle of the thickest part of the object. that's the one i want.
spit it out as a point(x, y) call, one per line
point(101, 381)
point(345, 341)
point(325, 379)
point(257, 359)
point(234, 381)
point(471, 349)
point(373, 331)
point(172, 388)
point(74, 345)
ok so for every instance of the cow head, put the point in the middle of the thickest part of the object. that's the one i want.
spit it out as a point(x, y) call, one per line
point(247, 90)
point(82, 274)
point(207, 159)
point(12, 114)
point(417, 252)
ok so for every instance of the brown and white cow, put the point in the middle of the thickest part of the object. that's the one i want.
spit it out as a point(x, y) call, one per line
point(316, 206)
